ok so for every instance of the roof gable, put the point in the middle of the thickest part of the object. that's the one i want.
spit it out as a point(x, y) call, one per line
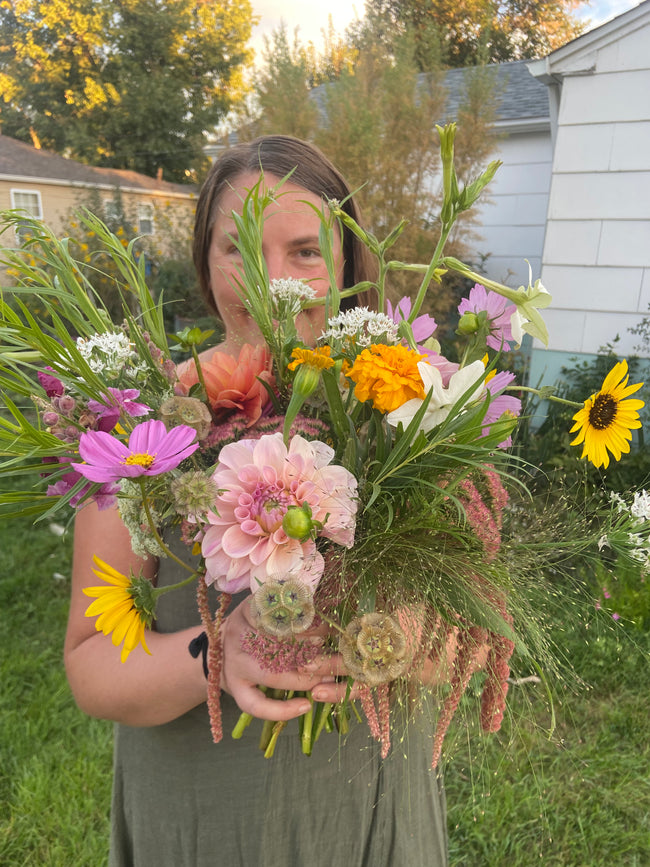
point(20, 160)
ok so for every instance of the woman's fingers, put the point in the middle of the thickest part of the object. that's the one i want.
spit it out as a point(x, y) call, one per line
point(252, 700)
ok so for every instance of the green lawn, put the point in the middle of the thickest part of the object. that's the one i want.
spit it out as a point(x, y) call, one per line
point(580, 798)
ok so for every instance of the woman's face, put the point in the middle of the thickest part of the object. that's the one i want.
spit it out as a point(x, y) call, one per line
point(290, 249)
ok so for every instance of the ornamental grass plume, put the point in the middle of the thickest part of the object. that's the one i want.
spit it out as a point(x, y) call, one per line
point(607, 418)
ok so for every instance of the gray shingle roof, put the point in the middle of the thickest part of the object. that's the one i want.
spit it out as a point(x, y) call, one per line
point(20, 159)
point(521, 95)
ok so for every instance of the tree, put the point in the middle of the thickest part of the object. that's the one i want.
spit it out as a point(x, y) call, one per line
point(282, 89)
point(376, 122)
point(130, 84)
point(464, 32)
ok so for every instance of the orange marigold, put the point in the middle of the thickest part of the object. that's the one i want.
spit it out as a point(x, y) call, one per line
point(387, 375)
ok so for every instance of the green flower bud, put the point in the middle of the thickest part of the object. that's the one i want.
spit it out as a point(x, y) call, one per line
point(297, 522)
point(468, 323)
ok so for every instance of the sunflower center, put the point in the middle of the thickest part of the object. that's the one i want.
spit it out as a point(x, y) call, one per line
point(603, 412)
point(140, 460)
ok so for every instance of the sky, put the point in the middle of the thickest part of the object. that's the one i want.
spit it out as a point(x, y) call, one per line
point(311, 16)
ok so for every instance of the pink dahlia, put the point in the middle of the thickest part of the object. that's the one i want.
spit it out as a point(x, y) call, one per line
point(235, 384)
point(260, 480)
point(152, 450)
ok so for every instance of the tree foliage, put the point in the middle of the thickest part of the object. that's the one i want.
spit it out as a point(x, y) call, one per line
point(376, 122)
point(131, 84)
point(465, 32)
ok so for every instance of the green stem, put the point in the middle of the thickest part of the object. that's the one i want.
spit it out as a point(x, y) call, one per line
point(275, 734)
point(431, 270)
point(156, 534)
point(307, 721)
point(245, 719)
point(323, 712)
point(544, 395)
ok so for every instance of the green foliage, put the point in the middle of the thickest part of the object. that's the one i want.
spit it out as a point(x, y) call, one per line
point(55, 764)
point(547, 447)
point(132, 84)
point(579, 797)
point(480, 31)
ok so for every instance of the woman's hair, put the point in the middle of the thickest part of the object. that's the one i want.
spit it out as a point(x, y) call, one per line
point(277, 155)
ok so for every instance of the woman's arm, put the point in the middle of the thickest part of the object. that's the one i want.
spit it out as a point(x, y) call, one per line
point(151, 690)
point(144, 690)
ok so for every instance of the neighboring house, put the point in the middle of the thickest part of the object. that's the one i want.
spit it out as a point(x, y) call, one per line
point(596, 258)
point(50, 187)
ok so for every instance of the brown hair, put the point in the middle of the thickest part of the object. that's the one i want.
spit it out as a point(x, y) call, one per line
point(278, 155)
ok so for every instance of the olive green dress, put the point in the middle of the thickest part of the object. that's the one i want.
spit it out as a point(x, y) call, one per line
point(179, 800)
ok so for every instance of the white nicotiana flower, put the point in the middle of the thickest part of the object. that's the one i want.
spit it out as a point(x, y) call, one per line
point(361, 325)
point(640, 508)
point(518, 319)
point(289, 295)
point(109, 352)
point(442, 399)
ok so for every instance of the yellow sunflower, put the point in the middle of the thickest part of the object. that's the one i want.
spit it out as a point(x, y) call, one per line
point(116, 606)
point(607, 418)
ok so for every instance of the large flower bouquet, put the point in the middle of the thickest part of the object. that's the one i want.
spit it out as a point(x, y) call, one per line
point(357, 489)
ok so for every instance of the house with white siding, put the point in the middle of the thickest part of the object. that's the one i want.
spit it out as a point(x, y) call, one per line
point(596, 254)
point(573, 194)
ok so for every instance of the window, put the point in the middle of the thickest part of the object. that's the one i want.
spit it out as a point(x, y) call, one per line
point(112, 213)
point(30, 202)
point(145, 219)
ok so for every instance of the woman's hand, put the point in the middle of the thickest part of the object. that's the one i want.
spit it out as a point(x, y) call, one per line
point(242, 675)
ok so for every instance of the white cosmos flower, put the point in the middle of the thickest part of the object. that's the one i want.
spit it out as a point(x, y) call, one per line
point(442, 399)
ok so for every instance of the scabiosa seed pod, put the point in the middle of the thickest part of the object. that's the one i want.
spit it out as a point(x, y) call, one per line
point(194, 493)
point(186, 410)
point(283, 607)
point(374, 649)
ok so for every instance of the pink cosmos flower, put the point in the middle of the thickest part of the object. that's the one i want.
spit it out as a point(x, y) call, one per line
point(104, 497)
point(498, 312)
point(260, 479)
point(116, 402)
point(423, 326)
point(500, 403)
point(151, 450)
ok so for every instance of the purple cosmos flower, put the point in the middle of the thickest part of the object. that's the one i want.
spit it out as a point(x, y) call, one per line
point(152, 450)
point(53, 386)
point(423, 326)
point(115, 403)
point(501, 403)
point(498, 312)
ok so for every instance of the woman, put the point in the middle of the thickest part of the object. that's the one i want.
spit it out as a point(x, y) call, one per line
point(179, 799)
